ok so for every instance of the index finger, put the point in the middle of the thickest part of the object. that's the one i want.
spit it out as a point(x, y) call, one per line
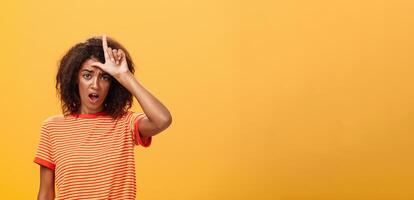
point(105, 47)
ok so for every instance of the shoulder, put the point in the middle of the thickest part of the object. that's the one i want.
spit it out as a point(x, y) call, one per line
point(135, 115)
point(54, 118)
point(130, 116)
point(48, 123)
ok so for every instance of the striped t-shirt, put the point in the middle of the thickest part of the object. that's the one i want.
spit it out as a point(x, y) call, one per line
point(92, 154)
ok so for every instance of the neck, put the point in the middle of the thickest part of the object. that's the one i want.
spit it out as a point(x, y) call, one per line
point(89, 111)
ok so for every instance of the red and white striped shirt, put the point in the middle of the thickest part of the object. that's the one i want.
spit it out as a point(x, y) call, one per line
point(92, 154)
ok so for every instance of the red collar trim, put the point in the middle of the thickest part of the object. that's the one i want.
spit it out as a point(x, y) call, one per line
point(90, 115)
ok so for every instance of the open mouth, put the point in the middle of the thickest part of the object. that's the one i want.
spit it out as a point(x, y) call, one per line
point(93, 97)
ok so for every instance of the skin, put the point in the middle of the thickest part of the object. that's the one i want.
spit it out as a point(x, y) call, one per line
point(47, 184)
point(91, 78)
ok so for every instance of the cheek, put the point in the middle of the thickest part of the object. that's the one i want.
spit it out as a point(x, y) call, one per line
point(82, 85)
point(106, 87)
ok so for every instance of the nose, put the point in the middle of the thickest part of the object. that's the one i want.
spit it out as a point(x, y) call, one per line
point(95, 83)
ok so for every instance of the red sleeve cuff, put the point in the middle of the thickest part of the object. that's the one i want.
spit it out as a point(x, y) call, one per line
point(141, 141)
point(44, 163)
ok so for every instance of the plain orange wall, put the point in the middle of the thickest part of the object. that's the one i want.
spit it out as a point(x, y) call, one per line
point(271, 100)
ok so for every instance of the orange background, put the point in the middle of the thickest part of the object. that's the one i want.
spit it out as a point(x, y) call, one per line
point(271, 100)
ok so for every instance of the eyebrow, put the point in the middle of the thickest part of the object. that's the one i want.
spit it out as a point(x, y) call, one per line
point(91, 71)
point(87, 70)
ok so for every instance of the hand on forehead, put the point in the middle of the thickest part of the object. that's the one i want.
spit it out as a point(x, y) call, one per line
point(88, 65)
point(115, 61)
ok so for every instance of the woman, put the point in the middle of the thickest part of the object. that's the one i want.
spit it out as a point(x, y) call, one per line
point(88, 151)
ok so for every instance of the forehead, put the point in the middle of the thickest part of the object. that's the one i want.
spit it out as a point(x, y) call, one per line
point(88, 66)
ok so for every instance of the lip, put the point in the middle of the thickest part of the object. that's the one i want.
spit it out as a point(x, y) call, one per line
point(93, 100)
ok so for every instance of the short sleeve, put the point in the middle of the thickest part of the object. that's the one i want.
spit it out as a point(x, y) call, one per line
point(44, 152)
point(136, 135)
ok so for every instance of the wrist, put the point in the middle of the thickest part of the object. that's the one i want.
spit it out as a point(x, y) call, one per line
point(124, 77)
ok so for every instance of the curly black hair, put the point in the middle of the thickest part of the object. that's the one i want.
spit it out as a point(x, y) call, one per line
point(118, 101)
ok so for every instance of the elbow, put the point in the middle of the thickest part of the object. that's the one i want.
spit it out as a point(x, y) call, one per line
point(165, 123)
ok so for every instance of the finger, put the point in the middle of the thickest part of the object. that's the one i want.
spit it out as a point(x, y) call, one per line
point(120, 54)
point(111, 56)
point(123, 56)
point(115, 54)
point(104, 42)
point(105, 47)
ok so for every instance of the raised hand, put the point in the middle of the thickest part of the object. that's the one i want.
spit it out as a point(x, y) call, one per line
point(115, 60)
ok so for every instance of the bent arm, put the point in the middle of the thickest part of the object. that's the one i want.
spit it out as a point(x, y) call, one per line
point(47, 184)
point(158, 116)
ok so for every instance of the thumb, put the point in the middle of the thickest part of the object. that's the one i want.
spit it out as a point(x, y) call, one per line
point(100, 65)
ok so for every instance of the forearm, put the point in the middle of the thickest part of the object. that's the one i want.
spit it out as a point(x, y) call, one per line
point(47, 184)
point(46, 195)
point(152, 107)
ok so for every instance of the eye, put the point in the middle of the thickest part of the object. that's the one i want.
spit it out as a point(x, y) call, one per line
point(86, 76)
point(105, 77)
